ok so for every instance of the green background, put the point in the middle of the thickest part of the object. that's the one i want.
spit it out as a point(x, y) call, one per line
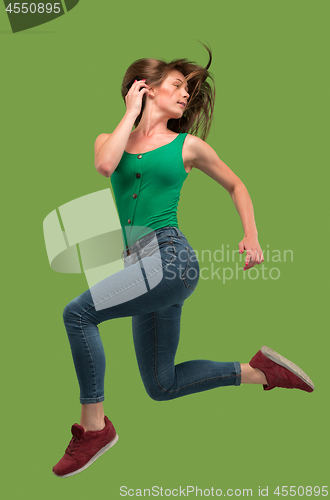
point(60, 90)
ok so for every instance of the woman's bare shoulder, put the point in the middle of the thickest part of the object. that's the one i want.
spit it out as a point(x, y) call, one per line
point(193, 146)
point(193, 140)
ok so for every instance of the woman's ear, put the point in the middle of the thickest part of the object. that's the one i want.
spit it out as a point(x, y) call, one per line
point(152, 91)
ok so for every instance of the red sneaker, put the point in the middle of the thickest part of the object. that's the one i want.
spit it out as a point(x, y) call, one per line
point(279, 371)
point(84, 448)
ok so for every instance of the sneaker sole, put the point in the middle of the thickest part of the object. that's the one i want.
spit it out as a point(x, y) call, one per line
point(95, 457)
point(286, 363)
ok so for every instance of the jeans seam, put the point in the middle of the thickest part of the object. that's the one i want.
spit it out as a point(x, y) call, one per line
point(148, 276)
point(172, 245)
point(89, 353)
point(176, 230)
point(100, 399)
point(185, 271)
point(155, 353)
point(169, 391)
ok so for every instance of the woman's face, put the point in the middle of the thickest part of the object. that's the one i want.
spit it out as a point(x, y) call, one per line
point(172, 95)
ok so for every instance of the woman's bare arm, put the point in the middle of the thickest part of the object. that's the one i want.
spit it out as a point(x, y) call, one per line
point(109, 148)
point(203, 157)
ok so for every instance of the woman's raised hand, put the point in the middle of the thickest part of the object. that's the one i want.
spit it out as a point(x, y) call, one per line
point(133, 98)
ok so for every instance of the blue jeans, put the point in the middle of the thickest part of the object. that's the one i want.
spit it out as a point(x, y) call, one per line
point(160, 272)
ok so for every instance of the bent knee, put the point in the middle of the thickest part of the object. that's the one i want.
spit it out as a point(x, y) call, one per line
point(70, 311)
point(158, 393)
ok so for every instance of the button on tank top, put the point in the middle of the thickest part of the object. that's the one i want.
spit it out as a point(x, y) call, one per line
point(147, 189)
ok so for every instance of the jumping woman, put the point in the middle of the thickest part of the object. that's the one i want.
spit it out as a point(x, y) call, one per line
point(148, 157)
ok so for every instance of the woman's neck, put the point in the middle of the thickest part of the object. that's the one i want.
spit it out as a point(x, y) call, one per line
point(153, 122)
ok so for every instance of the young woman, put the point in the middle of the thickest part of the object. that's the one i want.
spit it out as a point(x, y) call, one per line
point(147, 166)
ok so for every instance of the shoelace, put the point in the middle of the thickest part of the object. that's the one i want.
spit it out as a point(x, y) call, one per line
point(73, 445)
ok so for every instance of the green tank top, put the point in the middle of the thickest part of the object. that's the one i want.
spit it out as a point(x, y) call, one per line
point(147, 189)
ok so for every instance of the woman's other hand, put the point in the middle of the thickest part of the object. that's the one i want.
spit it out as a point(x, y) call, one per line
point(254, 253)
point(133, 98)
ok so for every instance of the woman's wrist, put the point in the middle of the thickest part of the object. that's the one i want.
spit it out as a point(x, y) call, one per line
point(251, 234)
point(130, 115)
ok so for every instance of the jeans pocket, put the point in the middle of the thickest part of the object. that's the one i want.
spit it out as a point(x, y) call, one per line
point(190, 275)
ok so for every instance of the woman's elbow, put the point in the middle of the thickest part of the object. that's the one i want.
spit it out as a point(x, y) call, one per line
point(236, 187)
point(103, 169)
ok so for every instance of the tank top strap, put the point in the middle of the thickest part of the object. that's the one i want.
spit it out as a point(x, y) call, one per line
point(178, 143)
